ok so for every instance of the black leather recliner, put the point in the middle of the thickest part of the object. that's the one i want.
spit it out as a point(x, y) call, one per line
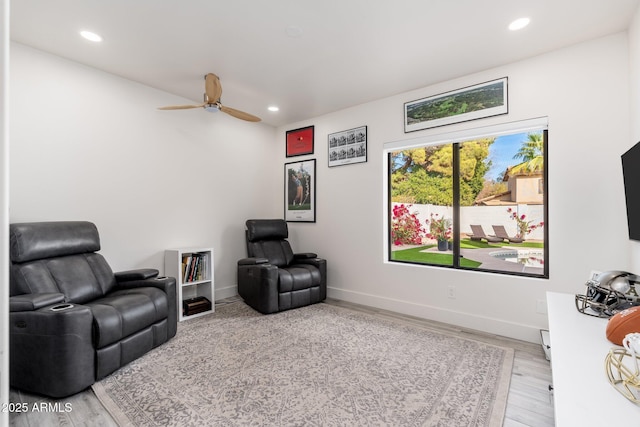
point(273, 278)
point(72, 320)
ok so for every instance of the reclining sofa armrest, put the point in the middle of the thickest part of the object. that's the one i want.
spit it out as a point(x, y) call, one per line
point(31, 302)
point(165, 284)
point(304, 255)
point(258, 285)
point(252, 261)
point(320, 264)
point(139, 274)
point(52, 349)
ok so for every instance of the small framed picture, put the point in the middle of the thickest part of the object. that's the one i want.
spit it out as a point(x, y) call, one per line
point(348, 147)
point(300, 191)
point(300, 141)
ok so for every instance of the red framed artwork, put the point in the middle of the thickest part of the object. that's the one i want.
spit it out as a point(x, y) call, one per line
point(300, 141)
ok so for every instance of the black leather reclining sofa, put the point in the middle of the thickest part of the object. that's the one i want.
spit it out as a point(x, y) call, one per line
point(273, 278)
point(72, 320)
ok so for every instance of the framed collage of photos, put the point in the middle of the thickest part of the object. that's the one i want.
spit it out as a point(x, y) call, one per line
point(348, 147)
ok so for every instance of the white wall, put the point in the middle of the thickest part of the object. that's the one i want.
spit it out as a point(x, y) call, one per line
point(4, 207)
point(583, 90)
point(87, 145)
point(634, 77)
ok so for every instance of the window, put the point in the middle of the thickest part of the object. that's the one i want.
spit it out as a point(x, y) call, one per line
point(471, 200)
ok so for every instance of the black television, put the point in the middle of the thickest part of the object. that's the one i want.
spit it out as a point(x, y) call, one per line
point(631, 176)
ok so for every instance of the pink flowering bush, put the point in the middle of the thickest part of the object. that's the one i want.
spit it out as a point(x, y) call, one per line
point(405, 226)
point(524, 227)
point(439, 228)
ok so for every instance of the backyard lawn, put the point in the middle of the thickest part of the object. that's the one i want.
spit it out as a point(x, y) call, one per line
point(417, 254)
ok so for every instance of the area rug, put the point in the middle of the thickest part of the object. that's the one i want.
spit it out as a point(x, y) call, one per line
point(321, 365)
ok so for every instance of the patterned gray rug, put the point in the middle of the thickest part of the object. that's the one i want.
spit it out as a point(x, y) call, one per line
point(320, 365)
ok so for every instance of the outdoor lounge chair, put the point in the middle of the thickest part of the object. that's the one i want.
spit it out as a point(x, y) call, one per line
point(478, 235)
point(502, 233)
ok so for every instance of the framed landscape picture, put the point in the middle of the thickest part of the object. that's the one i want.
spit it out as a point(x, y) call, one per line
point(347, 147)
point(469, 103)
point(300, 141)
point(300, 191)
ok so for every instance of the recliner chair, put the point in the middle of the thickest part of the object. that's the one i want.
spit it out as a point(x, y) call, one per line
point(273, 278)
point(72, 320)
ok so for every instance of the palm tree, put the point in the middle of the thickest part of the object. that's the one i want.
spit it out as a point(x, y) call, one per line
point(531, 148)
point(531, 152)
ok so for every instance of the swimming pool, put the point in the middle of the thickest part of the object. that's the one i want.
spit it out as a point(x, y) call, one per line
point(525, 257)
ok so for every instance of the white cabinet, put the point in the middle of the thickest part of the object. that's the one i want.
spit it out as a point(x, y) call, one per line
point(582, 393)
point(193, 270)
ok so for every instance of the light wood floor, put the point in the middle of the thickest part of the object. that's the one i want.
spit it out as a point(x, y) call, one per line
point(529, 401)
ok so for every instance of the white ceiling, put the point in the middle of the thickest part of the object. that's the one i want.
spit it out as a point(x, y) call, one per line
point(346, 52)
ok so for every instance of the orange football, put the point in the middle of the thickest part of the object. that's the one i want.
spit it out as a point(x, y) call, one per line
point(623, 323)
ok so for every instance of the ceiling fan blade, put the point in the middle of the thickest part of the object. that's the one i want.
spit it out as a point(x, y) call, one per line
point(181, 107)
point(212, 87)
point(239, 114)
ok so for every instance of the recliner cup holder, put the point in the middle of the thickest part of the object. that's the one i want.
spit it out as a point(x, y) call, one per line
point(61, 307)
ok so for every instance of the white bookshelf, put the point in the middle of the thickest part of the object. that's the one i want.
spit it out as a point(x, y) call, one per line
point(193, 278)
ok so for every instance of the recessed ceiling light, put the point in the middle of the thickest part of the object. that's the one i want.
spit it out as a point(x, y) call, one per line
point(519, 24)
point(273, 108)
point(91, 36)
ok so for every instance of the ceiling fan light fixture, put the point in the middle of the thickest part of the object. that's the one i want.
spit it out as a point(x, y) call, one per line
point(273, 108)
point(212, 92)
point(519, 24)
point(91, 36)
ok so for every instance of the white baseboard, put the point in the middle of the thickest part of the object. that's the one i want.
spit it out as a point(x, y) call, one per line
point(465, 320)
point(225, 292)
point(469, 321)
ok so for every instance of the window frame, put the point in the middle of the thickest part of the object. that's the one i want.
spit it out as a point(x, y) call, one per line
point(455, 139)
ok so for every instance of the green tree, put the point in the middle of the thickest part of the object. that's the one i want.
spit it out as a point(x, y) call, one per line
point(473, 167)
point(532, 154)
point(424, 175)
point(492, 188)
point(421, 187)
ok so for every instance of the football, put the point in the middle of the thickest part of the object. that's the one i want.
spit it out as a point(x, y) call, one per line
point(623, 323)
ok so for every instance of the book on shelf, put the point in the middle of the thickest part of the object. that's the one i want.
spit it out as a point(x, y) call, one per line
point(195, 267)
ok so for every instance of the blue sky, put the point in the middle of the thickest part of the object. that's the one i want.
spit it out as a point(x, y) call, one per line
point(501, 153)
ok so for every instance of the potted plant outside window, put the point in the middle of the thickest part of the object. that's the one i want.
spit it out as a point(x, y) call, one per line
point(439, 230)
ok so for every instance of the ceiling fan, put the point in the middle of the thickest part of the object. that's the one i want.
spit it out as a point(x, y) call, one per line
point(213, 90)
